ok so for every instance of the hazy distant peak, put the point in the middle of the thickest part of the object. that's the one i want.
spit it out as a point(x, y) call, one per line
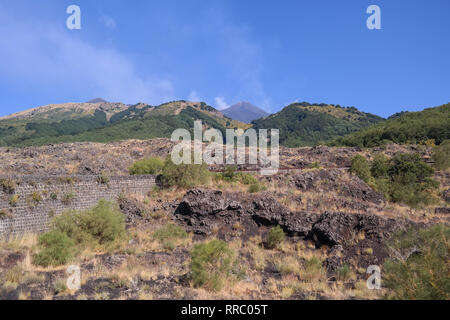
point(244, 112)
point(97, 100)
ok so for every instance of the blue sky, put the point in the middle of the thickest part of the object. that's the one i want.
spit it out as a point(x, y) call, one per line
point(270, 53)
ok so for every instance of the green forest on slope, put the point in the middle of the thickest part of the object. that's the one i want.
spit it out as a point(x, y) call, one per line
point(407, 127)
point(97, 129)
point(302, 124)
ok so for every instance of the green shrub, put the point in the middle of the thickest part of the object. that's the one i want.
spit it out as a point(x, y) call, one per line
point(420, 269)
point(411, 180)
point(441, 156)
point(360, 167)
point(8, 185)
point(313, 270)
point(314, 165)
point(36, 197)
point(211, 264)
point(147, 166)
point(13, 275)
point(67, 198)
point(102, 224)
point(13, 200)
point(56, 249)
point(380, 166)
point(103, 178)
point(253, 188)
point(170, 231)
point(275, 237)
point(229, 174)
point(246, 178)
point(344, 273)
point(184, 175)
point(59, 286)
point(4, 213)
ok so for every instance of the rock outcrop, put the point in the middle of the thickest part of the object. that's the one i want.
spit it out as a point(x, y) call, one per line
point(359, 238)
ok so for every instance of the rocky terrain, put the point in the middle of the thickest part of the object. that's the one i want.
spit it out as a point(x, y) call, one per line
point(327, 214)
point(116, 157)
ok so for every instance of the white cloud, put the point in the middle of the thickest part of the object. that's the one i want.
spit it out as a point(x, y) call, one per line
point(221, 103)
point(194, 97)
point(57, 58)
point(108, 22)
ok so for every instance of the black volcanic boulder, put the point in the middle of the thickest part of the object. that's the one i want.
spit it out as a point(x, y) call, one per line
point(203, 202)
point(205, 211)
point(361, 238)
point(338, 228)
point(131, 209)
point(268, 211)
point(333, 228)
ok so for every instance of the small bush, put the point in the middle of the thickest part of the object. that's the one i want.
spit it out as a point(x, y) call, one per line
point(247, 178)
point(8, 185)
point(184, 175)
point(229, 174)
point(4, 213)
point(67, 198)
point(211, 264)
point(275, 237)
point(411, 180)
point(441, 156)
point(36, 197)
point(313, 270)
point(254, 188)
point(360, 167)
point(147, 166)
point(380, 166)
point(13, 275)
point(314, 165)
point(103, 178)
point(170, 231)
point(56, 249)
point(59, 286)
point(168, 234)
point(421, 269)
point(102, 224)
point(344, 273)
point(13, 200)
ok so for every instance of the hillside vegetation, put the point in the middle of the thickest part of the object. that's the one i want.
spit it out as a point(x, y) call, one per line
point(432, 125)
point(135, 122)
point(303, 124)
point(300, 124)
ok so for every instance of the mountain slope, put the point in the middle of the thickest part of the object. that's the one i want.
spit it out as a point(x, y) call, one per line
point(304, 124)
point(104, 122)
point(244, 112)
point(405, 127)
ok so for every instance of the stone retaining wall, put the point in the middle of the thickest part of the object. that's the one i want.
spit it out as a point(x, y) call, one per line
point(39, 198)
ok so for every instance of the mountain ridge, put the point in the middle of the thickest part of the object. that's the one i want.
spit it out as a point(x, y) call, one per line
point(103, 122)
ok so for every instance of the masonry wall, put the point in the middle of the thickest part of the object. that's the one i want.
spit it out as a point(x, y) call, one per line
point(40, 198)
